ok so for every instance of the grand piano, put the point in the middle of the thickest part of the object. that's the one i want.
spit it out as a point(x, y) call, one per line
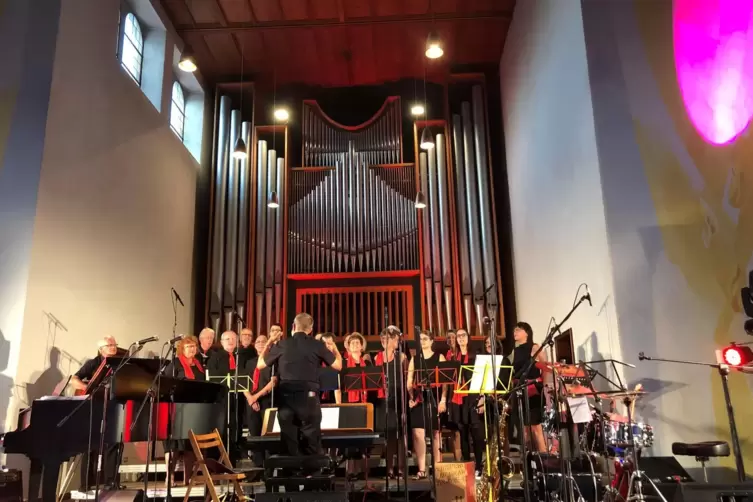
point(55, 428)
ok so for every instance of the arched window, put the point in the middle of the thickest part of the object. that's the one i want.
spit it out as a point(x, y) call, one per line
point(132, 47)
point(178, 110)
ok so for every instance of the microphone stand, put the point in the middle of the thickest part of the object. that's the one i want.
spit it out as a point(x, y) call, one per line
point(153, 400)
point(724, 371)
point(429, 401)
point(492, 306)
point(171, 453)
point(401, 409)
point(104, 384)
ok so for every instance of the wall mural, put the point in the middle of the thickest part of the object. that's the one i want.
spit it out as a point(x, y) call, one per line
point(690, 94)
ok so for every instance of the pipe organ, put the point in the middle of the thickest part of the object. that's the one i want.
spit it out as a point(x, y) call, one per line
point(346, 238)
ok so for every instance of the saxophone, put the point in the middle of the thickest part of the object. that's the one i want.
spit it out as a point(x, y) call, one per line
point(491, 479)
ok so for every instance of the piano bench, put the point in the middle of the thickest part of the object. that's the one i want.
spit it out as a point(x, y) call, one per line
point(312, 462)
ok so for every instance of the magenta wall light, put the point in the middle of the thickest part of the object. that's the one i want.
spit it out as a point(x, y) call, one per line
point(713, 44)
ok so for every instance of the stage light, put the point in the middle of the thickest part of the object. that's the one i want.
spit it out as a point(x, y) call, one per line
point(434, 46)
point(282, 115)
point(273, 202)
point(239, 152)
point(187, 63)
point(427, 142)
point(420, 200)
point(737, 355)
point(417, 110)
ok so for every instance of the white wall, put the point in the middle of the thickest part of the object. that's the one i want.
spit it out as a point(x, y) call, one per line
point(115, 213)
point(558, 224)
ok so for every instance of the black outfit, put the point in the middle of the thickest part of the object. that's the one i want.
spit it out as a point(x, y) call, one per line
point(255, 419)
point(469, 421)
point(205, 356)
point(298, 359)
point(180, 445)
point(390, 405)
point(111, 455)
point(521, 359)
point(220, 365)
point(424, 414)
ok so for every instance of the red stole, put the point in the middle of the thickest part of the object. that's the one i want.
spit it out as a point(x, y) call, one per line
point(356, 396)
point(379, 361)
point(458, 398)
point(187, 367)
point(257, 373)
point(232, 360)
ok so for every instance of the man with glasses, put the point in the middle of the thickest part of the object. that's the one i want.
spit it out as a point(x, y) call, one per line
point(108, 347)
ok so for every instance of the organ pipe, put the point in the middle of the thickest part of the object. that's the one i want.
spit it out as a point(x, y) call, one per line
point(482, 170)
point(218, 233)
point(261, 220)
point(231, 234)
point(444, 224)
point(241, 281)
point(474, 240)
point(462, 218)
point(427, 272)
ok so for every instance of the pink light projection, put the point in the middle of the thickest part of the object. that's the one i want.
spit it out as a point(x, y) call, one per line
point(713, 44)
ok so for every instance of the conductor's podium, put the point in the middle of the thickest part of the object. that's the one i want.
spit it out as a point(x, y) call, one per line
point(348, 425)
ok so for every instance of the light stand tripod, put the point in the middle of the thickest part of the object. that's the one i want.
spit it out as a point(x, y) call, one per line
point(723, 370)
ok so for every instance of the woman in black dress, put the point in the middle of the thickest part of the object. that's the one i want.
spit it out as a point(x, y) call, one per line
point(185, 367)
point(390, 401)
point(422, 414)
point(522, 356)
point(466, 410)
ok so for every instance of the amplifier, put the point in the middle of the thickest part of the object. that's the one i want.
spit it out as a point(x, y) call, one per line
point(302, 497)
point(11, 485)
point(704, 492)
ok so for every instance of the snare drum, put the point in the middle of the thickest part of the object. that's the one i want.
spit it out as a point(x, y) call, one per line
point(643, 435)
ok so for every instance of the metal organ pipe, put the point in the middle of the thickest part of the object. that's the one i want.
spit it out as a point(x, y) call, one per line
point(261, 219)
point(269, 274)
point(474, 240)
point(433, 208)
point(444, 224)
point(482, 170)
point(241, 281)
point(218, 233)
point(279, 236)
point(231, 245)
point(462, 219)
point(426, 221)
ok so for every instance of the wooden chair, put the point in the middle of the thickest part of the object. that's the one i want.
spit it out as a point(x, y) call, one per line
point(206, 470)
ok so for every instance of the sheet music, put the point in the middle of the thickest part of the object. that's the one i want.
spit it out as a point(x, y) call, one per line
point(579, 409)
point(330, 419)
point(482, 373)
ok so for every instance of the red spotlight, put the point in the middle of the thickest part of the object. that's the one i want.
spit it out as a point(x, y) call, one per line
point(736, 355)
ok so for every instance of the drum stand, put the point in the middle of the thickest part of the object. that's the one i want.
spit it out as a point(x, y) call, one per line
point(637, 476)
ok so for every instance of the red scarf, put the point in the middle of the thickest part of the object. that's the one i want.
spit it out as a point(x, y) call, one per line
point(379, 361)
point(187, 369)
point(232, 360)
point(356, 396)
point(257, 373)
point(458, 398)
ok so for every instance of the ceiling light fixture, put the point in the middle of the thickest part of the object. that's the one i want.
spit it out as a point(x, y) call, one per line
point(187, 63)
point(240, 152)
point(282, 114)
point(420, 200)
point(417, 110)
point(427, 142)
point(434, 46)
point(273, 201)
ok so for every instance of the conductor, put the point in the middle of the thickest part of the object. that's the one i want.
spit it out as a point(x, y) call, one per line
point(299, 358)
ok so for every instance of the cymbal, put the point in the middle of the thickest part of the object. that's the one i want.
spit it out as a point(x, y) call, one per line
point(627, 394)
point(548, 367)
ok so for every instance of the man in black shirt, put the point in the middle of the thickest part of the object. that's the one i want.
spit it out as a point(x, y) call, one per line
point(298, 359)
point(108, 347)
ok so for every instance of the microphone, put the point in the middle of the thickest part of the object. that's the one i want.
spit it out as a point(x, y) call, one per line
point(177, 297)
point(642, 357)
point(386, 317)
point(147, 340)
point(176, 340)
point(395, 330)
point(588, 296)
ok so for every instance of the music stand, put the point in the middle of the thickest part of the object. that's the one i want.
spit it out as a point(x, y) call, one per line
point(235, 384)
point(479, 380)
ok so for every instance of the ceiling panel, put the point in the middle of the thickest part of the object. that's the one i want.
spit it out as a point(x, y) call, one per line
point(387, 7)
point(294, 10)
point(178, 12)
point(205, 11)
point(326, 9)
point(236, 11)
point(357, 8)
point(265, 10)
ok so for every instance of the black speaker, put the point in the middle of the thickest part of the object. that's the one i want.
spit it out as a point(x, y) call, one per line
point(302, 497)
point(664, 470)
point(704, 492)
point(11, 486)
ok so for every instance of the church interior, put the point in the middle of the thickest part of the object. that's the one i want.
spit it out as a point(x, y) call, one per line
point(407, 170)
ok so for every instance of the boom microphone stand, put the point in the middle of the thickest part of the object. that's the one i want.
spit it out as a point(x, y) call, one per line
point(723, 370)
point(402, 406)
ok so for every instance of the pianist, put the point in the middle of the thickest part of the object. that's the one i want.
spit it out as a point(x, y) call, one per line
point(298, 358)
point(108, 347)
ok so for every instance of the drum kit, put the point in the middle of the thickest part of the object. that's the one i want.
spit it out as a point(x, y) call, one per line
point(600, 448)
